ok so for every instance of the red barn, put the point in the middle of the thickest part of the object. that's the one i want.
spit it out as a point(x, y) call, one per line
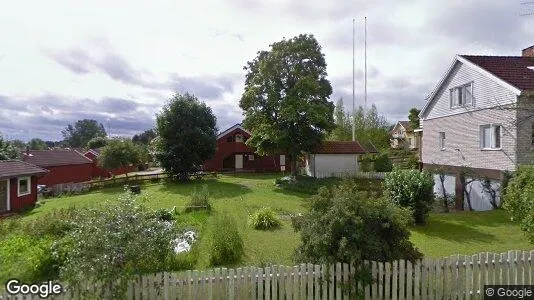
point(98, 171)
point(18, 185)
point(232, 154)
point(64, 165)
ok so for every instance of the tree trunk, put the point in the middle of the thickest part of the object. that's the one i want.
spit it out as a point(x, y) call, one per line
point(293, 163)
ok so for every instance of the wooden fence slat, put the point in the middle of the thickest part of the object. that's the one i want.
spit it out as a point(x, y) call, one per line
point(394, 287)
point(331, 293)
point(296, 282)
point(267, 280)
point(402, 279)
point(259, 279)
point(374, 276)
point(303, 281)
point(311, 276)
point(274, 283)
point(289, 282)
point(380, 280)
point(317, 282)
point(417, 280)
point(346, 281)
point(387, 281)
point(409, 293)
point(338, 281)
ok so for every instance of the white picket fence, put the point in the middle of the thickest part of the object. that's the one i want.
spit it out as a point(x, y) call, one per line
point(455, 277)
point(364, 175)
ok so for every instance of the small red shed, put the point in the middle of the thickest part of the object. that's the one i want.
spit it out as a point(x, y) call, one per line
point(64, 165)
point(18, 185)
point(232, 154)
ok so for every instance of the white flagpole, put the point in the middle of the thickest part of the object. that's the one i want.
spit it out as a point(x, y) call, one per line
point(365, 51)
point(353, 108)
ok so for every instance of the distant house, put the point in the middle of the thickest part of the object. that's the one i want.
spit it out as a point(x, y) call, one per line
point(334, 158)
point(402, 136)
point(64, 166)
point(232, 154)
point(18, 185)
point(98, 171)
point(472, 125)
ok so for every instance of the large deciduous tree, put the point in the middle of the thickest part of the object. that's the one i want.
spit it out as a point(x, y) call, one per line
point(286, 95)
point(187, 135)
point(82, 132)
point(119, 152)
point(7, 151)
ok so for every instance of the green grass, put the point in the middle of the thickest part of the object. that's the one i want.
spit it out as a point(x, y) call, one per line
point(241, 195)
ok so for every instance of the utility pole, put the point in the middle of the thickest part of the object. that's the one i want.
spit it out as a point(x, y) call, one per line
point(353, 108)
point(365, 62)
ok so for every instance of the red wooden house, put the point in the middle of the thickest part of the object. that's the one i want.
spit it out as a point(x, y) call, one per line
point(18, 185)
point(64, 165)
point(232, 154)
point(98, 171)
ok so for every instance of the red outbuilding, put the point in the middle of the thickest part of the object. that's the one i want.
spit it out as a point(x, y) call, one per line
point(98, 171)
point(18, 185)
point(232, 154)
point(64, 165)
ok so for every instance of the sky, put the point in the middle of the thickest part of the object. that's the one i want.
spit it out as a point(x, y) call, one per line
point(119, 62)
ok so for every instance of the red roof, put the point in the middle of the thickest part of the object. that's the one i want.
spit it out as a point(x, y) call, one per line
point(15, 168)
point(511, 69)
point(340, 147)
point(52, 158)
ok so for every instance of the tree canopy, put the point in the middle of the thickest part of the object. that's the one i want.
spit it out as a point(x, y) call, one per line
point(413, 117)
point(187, 135)
point(286, 96)
point(119, 152)
point(8, 151)
point(82, 132)
point(144, 138)
point(97, 142)
point(37, 144)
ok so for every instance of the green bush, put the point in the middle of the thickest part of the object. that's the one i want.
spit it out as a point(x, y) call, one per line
point(163, 214)
point(382, 163)
point(227, 245)
point(264, 219)
point(519, 200)
point(199, 200)
point(55, 223)
point(413, 189)
point(347, 225)
point(307, 185)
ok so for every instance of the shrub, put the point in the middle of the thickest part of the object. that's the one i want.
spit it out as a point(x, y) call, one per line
point(199, 200)
point(164, 215)
point(307, 185)
point(382, 163)
point(346, 225)
point(55, 223)
point(227, 245)
point(264, 219)
point(413, 189)
point(518, 200)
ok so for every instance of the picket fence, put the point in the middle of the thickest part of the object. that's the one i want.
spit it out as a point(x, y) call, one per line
point(455, 277)
point(363, 175)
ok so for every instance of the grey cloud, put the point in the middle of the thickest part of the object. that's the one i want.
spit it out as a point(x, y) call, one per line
point(76, 60)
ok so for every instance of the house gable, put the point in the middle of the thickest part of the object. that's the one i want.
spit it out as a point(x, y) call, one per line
point(488, 90)
point(232, 130)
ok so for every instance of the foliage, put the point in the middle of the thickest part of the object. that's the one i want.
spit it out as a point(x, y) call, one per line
point(186, 135)
point(413, 117)
point(347, 225)
point(343, 121)
point(82, 132)
point(366, 162)
point(144, 138)
point(163, 214)
point(111, 244)
point(8, 151)
point(37, 144)
point(413, 189)
point(308, 185)
point(517, 200)
point(199, 200)
point(227, 245)
point(382, 163)
point(286, 96)
point(264, 219)
point(118, 153)
point(489, 188)
point(97, 142)
point(55, 223)
point(20, 145)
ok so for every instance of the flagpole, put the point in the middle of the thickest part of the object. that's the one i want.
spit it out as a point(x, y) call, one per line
point(353, 108)
point(365, 51)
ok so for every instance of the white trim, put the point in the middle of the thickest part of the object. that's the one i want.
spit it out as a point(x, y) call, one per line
point(222, 134)
point(29, 185)
point(459, 58)
point(8, 207)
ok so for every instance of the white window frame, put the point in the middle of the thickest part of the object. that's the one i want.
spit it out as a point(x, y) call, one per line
point(19, 179)
point(455, 101)
point(492, 136)
point(251, 157)
point(441, 140)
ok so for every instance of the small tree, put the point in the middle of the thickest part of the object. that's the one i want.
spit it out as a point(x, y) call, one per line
point(144, 138)
point(518, 200)
point(37, 144)
point(118, 153)
point(8, 151)
point(413, 118)
point(82, 132)
point(413, 189)
point(187, 135)
point(97, 142)
point(346, 225)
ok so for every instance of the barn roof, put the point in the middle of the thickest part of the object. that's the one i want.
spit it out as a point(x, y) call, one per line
point(15, 168)
point(52, 158)
point(340, 147)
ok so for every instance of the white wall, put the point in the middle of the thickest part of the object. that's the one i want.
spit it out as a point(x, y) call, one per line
point(480, 200)
point(325, 165)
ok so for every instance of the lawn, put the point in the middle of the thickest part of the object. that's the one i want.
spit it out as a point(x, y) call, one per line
point(240, 195)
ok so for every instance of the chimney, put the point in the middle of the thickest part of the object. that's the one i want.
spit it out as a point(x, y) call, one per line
point(528, 52)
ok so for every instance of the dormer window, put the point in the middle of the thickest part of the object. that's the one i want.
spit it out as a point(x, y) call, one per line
point(239, 138)
point(462, 95)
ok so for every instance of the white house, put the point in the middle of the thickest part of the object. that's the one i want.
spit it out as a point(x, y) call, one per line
point(478, 122)
point(334, 158)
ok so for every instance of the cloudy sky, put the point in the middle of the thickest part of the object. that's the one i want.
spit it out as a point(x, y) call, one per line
point(119, 61)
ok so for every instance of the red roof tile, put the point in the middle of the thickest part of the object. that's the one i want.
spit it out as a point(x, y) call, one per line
point(14, 168)
point(512, 69)
point(51, 158)
point(340, 147)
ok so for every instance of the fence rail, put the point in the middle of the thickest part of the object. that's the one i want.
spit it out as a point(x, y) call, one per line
point(365, 175)
point(455, 277)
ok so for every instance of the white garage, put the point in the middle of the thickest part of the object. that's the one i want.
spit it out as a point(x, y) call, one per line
point(334, 159)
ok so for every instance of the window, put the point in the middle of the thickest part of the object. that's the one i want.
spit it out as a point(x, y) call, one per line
point(239, 138)
point(24, 186)
point(462, 95)
point(490, 136)
point(442, 140)
point(251, 157)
